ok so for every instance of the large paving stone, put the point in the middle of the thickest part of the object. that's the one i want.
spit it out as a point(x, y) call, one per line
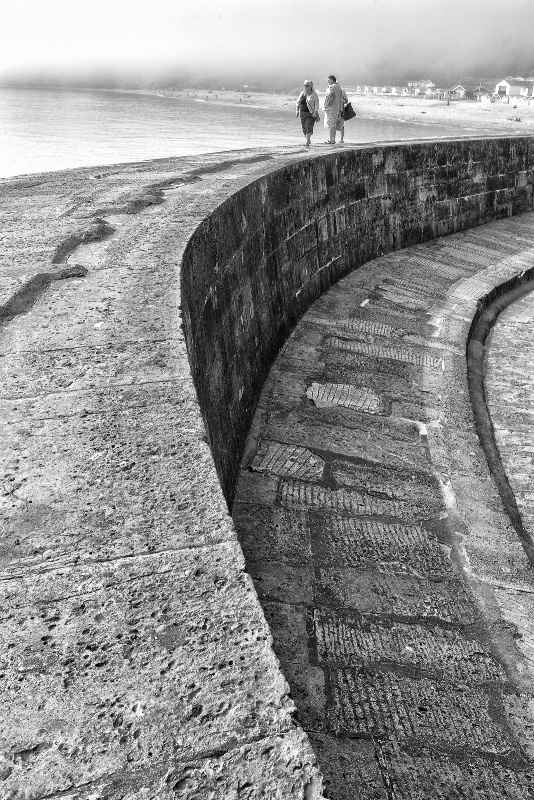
point(400, 708)
point(345, 640)
point(97, 657)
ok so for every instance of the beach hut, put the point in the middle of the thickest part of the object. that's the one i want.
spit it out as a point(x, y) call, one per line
point(478, 92)
point(483, 95)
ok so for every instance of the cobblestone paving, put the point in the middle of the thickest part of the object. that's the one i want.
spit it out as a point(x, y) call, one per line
point(392, 593)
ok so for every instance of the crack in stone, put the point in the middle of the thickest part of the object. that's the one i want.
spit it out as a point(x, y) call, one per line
point(46, 568)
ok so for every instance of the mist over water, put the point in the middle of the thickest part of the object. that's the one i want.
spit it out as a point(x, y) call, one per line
point(52, 129)
point(210, 43)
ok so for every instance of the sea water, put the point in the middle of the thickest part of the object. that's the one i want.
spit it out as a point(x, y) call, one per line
point(52, 129)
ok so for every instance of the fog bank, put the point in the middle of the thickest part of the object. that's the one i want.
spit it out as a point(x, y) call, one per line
point(271, 45)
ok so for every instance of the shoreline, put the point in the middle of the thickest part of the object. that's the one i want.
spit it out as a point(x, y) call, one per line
point(461, 119)
point(491, 117)
point(484, 117)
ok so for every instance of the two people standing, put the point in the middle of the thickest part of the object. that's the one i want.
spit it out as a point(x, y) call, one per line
point(308, 109)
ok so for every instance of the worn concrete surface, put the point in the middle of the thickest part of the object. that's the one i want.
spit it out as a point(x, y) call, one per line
point(136, 661)
point(398, 594)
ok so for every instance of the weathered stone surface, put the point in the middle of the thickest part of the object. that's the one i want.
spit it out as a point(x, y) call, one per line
point(400, 708)
point(365, 544)
point(299, 494)
point(344, 640)
point(398, 594)
point(279, 766)
point(350, 768)
point(273, 533)
point(422, 774)
point(401, 441)
point(98, 660)
point(288, 461)
point(325, 395)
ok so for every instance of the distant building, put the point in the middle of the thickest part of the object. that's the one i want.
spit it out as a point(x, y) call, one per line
point(396, 91)
point(514, 88)
point(457, 92)
point(478, 92)
point(423, 90)
point(426, 84)
point(483, 95)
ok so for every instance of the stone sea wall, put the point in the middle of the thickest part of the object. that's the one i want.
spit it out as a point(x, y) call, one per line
point(263, 256)
point(137, 660)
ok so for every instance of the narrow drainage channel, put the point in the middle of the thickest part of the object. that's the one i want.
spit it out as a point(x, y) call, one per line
point(491, 308)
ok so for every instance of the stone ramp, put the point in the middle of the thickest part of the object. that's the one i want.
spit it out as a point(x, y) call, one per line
point(509, 391)
point(395, 588)
point(509, 379)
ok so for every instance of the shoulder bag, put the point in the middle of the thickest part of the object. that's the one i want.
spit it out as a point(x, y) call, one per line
point(348, 111)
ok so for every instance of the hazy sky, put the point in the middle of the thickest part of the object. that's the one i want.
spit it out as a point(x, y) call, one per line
point(278, 39)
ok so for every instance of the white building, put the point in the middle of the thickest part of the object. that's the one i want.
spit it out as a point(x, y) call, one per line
point(510, 88)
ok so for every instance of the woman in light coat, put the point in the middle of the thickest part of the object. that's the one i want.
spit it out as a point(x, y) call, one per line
point(308, 110)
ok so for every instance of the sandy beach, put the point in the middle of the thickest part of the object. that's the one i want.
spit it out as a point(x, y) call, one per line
point(486, 117)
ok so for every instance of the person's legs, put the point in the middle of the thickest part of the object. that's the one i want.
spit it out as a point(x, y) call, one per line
point(308, 129)
point(328, 121)
point(304, 123)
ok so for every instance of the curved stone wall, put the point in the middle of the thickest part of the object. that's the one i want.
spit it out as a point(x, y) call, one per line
point(254, 266)
point(137, 658)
